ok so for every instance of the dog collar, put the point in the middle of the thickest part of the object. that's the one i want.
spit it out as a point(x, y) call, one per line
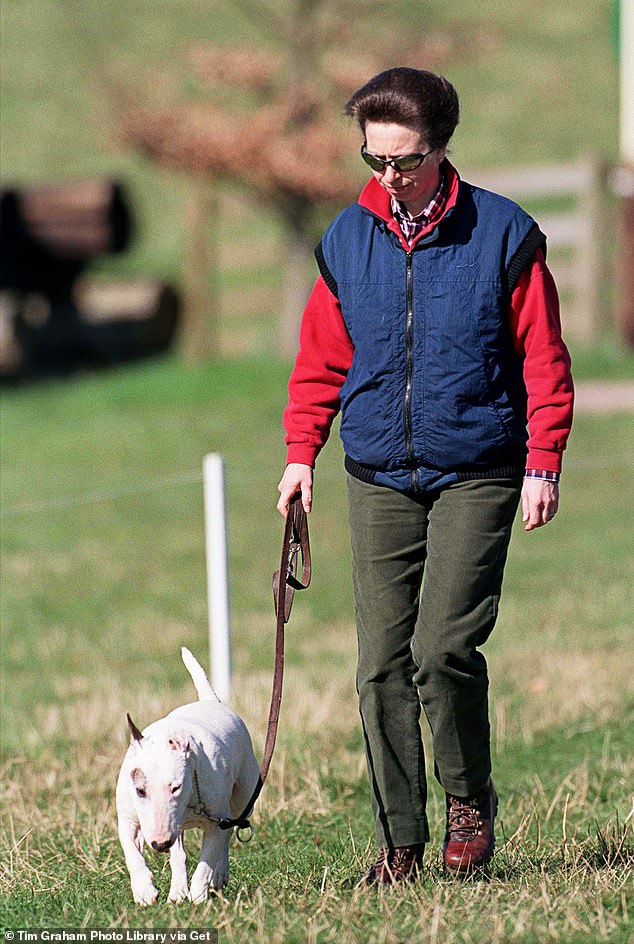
point(241, 824)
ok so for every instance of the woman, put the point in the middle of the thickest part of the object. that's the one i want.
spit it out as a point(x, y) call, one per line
point(434, 326)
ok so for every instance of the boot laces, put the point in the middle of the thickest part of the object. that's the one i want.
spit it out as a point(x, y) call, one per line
point(395, 862)
point(464, 820)
point(382, 859)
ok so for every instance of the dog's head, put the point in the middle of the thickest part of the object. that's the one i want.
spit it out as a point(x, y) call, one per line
point(160, 783)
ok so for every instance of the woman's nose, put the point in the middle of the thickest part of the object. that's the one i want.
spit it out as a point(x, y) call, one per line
point(389, 174)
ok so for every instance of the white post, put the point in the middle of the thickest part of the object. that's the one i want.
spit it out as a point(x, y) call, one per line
point(217, 582)
point(626, 68)
point(626, 274)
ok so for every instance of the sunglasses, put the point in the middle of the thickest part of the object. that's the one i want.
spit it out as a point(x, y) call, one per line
point(399, 164)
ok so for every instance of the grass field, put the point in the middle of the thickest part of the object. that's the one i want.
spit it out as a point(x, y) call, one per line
point(103, 575)
point(103, 580)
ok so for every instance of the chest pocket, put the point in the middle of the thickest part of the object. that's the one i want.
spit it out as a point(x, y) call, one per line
point(460, 317)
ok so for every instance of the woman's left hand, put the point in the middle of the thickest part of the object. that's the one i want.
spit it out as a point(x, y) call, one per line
point(540, 501)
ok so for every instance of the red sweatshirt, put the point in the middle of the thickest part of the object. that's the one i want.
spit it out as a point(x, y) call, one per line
point(326, 352)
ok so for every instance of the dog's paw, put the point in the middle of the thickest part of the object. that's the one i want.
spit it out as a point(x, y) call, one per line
point(198, 893)
point(220, 877)
point(145, 892)
point(177, 894)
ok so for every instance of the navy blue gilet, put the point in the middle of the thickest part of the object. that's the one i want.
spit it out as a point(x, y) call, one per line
point(435, 390)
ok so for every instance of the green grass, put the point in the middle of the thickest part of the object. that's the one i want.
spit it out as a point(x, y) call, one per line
point(527, 89)
point(98, 596)
point(606, 360)
point(103, 575)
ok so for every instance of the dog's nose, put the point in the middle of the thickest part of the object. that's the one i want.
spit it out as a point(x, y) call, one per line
point(162, 846)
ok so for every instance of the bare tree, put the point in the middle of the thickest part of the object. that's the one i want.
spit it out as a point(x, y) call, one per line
point(269, 119)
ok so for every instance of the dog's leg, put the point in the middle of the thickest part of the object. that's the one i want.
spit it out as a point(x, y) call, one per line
point(213, 869)
point(141, 879)
point(178, 886)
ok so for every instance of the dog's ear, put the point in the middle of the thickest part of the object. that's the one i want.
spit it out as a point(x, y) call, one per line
point(179, 743)
point(137, 737)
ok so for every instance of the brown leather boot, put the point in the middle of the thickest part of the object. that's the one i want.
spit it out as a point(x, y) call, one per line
point(469, 840)
point(391, 866)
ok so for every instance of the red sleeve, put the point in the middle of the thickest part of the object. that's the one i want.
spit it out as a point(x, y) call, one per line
point(536, 329)
point(323, 361)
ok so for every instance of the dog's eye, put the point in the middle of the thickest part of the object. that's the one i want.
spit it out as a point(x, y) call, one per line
point(140, 792)
point(177, 787)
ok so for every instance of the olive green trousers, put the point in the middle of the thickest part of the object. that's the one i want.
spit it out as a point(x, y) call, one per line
point(427, 573)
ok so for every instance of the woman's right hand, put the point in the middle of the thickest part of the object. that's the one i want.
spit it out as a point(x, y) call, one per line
point(297, 478)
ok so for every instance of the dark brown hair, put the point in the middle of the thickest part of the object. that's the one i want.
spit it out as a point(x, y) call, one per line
point(426, 102)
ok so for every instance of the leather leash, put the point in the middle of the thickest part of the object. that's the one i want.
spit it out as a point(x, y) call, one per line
point(295, 542)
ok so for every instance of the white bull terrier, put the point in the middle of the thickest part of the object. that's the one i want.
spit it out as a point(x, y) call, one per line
point(194, 767)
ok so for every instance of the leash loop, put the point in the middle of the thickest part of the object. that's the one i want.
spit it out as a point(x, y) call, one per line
point(296, 543)
point(248, 829)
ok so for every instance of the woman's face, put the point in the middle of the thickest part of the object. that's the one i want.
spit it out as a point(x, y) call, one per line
point(414, 188)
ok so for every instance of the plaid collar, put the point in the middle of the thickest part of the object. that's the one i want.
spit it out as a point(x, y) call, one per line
point(431, 214)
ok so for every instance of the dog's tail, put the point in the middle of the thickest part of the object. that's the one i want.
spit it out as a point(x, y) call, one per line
point(200, 680)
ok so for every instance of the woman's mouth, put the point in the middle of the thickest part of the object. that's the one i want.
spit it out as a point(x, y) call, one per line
point(397, 190)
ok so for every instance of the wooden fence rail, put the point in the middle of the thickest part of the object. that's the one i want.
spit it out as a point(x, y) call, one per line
point(581, 231)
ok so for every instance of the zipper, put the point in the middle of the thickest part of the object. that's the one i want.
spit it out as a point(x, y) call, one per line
point(409, 363)
point(409, 334)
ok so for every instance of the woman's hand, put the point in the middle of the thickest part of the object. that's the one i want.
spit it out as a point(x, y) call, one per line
point(297, 478)
point(540, 500)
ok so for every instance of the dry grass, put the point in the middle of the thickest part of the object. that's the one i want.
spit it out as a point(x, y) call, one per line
point(553, 890)
point(556, 690)
point(97, 601)
point(558, 874)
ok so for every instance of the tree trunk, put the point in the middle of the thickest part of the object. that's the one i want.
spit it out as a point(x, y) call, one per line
point(626, 262)
point(198, 339)
point(300, 273)
point(304, 42)
point(300, 270)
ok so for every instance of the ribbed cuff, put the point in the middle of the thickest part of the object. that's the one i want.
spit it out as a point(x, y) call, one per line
point(544, 459)
point(302, 452)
